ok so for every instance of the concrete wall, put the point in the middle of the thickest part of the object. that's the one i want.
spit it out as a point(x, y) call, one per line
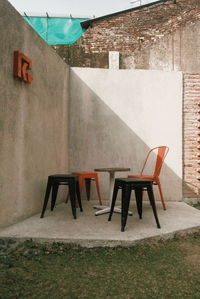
point(33, 119)
point(116, 116)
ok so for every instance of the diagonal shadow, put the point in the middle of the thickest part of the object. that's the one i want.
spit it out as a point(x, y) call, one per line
point(98, 137)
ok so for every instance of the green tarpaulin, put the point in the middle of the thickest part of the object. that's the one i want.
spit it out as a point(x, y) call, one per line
point(57, 30)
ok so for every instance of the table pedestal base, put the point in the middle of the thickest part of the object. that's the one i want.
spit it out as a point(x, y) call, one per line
point(106, 210)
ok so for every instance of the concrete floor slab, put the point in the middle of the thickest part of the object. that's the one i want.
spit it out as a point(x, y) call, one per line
point(90, 230)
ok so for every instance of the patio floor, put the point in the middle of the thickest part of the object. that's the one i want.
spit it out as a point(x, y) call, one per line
point(90, 230)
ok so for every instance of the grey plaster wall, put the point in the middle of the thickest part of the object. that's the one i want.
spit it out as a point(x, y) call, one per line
point(33, 119)
point(116, 116)
point(177, 51)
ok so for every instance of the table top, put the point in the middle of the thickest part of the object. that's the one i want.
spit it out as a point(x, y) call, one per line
point(112, 169)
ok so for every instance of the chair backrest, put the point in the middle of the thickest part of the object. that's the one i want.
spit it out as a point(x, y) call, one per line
point(161, 154)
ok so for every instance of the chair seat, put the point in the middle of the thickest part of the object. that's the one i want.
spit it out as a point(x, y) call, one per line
point(85, 173)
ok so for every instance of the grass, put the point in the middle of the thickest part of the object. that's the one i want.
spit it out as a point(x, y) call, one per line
point(196, 205)
point(166, 269)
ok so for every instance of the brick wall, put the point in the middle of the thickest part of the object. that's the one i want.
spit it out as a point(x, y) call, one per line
point(136, 34)
point(191, 150)
point(135, 29)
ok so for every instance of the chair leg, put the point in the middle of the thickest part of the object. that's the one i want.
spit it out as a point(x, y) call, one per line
point(72, 195)
point(98, 189)
point(46, 198)
point(161, 195)
point(138, 197)
point(114, 197)
point(81, 181)
point(78, 196)
point(54, 195)
point(153, 205)
point(126, 194)
point(88, 187)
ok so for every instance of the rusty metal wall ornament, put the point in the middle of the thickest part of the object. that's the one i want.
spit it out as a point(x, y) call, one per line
point(21, 66)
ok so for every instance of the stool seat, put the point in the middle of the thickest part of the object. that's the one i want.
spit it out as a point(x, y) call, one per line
point(64, 176)
point(87, 177)
point(127, 185)
point(52, 185)
point(85, 173)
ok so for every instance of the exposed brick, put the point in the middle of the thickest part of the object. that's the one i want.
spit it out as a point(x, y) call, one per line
point(191, 146)
point(131, 31)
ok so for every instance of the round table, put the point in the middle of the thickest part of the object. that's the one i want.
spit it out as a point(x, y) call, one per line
point(111, 171)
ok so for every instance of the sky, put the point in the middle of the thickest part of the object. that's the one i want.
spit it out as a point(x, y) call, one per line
point(76, 8)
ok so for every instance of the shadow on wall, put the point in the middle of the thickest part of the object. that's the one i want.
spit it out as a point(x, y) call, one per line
point(100, 138)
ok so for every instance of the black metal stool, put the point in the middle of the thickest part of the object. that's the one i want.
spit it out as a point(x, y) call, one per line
point(127, 185)
point(54, 181)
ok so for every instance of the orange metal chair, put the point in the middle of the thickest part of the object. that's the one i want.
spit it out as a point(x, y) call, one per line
point(161, 154)
point(88, 177)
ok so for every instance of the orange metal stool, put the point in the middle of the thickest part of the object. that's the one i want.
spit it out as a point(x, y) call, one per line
point(88, 177)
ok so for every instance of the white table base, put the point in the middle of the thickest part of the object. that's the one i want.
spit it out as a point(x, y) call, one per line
point(106, 210)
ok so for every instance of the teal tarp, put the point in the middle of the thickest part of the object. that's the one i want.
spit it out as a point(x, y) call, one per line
point(57, 31)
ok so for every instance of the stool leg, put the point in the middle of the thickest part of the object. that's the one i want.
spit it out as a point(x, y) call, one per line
point(152, 201)
point(72, 196)
point(138, 197)
point(87, 187)
point(98, 189)
point(78, 196)
point(46, 198)
point(54, 195)
point(67, 198)
point(115, 191)
point(81, 181)
point(126, 194)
